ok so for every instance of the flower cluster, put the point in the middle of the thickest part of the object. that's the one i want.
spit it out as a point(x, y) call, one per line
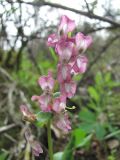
point(70, 52)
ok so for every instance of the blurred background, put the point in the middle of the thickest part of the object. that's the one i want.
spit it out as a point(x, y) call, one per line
point(24, 56)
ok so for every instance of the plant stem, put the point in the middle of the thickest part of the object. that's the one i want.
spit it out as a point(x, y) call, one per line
point(50, 146)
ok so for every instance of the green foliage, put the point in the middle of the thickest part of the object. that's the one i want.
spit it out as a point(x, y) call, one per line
point(58, 156)
point(68, 152)
point(52, 51)
point(81, 138)
point(42, 118)
point(3, 155)
point(94, 118)
point(90, 124)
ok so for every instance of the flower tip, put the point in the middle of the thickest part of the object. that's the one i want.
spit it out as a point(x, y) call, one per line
point(34, 98)
point(23, 109)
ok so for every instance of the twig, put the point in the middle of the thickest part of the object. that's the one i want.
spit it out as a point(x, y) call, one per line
point(8, 127)
point(87, 5)
point(10, 138)
point(87, 14)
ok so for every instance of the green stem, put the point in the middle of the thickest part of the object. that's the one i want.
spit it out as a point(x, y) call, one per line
point(50, 146)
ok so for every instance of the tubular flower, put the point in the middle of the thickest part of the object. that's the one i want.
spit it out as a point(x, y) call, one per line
point(66, 25)
point(64, 72)
point(59, 104)
point(64, 50)
point(27, 115)
point(82, 42)
point(44, 100)
point(46, 82)
point(36, 147)
point(53, 39)
point(68, 88)
point(63, 123)
point(80, 64)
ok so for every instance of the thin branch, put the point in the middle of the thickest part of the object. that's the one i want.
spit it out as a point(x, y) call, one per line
point(87, 5)
point(8, 127)
point(101, 28)
point(87, 14)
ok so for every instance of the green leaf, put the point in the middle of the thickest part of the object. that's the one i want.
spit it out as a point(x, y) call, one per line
point(98, 78)
point(93, 93)
point(100, 131)
point(42, 118)
point(87, 127)
point(108, 77)
point(87, 116)
point(53, 54)
point(79, 135)
point(68, 153)
point(113, 134)
point(85, 141)
point(56, 94)
point(3, 156)
point(58, 156)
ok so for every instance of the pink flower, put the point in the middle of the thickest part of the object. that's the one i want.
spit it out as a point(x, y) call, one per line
point(80, 64)
point(64, 72)
point(68, 88)
point(44, 101)
point(35, 98)
point(82, 42)
point(64, 50)
point(63, 123)
point(53, 39)
point(36, 147)
point(46, 82)
point(59, 104)
point(28, 116)
point(66, 25)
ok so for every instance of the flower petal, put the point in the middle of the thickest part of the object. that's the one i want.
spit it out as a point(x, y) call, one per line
point(44, 102)
point(80, 64)
point(66, 25)
point(82, 42)
point(68, 88)
point(63, 123)
point(53, 39)
point(64, 72)
point(46, 82)
point(64, 50)
point(59, 104)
